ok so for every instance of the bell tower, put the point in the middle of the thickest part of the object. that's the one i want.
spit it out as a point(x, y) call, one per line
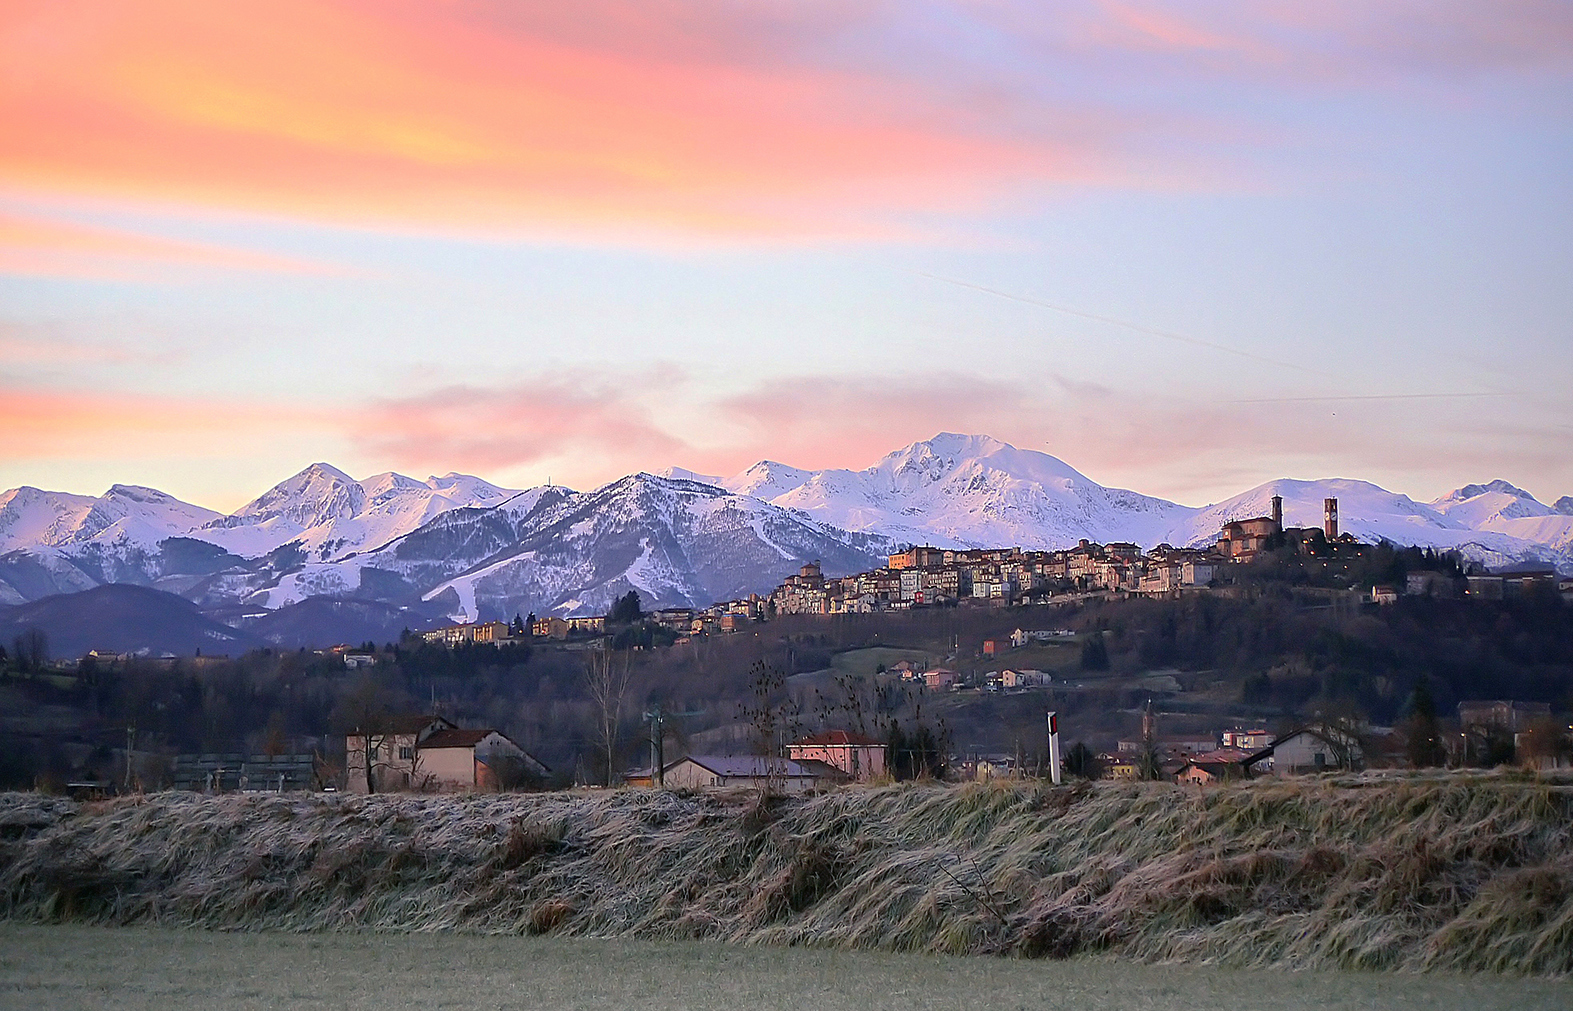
point(1330, 518)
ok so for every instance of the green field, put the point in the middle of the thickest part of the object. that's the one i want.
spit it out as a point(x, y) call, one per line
point(69, 967)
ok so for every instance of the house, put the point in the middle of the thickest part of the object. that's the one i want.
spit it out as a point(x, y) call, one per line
point(785, 774)
point(389, 748)
point(1308, 749)
point(1214, 766)
point(1023, 678)
point(1021, 637)
point(993, 647)
point(862, 758)
point(452, 759)
point(417, 752)
point(940, 677)
point(1204, 772)
point(1384, 595)
point(1247, 740)
point(1503, 714)
point(549, 628)
point(1120, 766)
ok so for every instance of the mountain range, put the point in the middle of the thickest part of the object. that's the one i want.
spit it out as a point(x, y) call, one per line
point(457, 546)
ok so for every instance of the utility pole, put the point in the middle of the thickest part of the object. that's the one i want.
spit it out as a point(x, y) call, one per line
point(1054, 746)
point(657, 746)
point(131, 738)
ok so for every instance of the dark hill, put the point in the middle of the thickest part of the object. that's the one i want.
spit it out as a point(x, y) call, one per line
point(324, 621)
point(124, 619)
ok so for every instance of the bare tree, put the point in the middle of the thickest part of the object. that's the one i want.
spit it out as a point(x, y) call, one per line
point(847, 698)
point(366, 714)
point(773, 714)
point(606, 679)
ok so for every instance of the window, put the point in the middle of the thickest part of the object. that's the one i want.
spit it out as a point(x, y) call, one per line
point(406, 753)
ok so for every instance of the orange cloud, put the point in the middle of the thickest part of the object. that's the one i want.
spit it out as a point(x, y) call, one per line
point(429, 113)
point(54, 425)
point(52, 248)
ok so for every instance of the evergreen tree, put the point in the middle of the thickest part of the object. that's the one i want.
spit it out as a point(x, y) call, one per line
point(1424, 736)
point(1095, 653)
point(626, 611)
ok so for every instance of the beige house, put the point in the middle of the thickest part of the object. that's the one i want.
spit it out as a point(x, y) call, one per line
point(787, 775)
point(434, 754)
point(861, 758)
point(1309, 749)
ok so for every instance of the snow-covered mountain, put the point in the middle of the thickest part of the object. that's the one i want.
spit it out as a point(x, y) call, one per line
point(33, 518)
point(679, 538)
point(677, 542)
point(1499, 508)
point(966, 491)
point(52, 542)
point(329, 514)
point(1461, 520)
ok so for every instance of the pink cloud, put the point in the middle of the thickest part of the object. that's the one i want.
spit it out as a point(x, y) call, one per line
point(475, 428)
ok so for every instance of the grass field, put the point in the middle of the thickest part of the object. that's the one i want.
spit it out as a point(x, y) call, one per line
point(1441, 873)
point(69, 967)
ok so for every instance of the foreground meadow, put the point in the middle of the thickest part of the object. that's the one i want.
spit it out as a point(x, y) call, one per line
point(69, 967)
point(1469, 873)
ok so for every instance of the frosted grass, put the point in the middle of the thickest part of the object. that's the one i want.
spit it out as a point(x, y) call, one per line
point(1456, 874)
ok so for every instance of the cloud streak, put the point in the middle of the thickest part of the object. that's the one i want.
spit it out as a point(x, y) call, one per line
point(46, 247)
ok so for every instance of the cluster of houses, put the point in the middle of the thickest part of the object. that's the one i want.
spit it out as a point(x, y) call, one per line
point(995, 576)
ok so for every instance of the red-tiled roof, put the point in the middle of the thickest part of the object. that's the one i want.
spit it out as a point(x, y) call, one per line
point(455, 738)
point(840, 738)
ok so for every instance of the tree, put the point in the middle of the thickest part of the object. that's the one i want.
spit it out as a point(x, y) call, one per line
point(917, 753)
point(1149, 761)
point(773, 713)
point(1080, 760)
point(516, 628)
point(626, 610)
point(366, 714)
point(848, 701)
point(31, 649)
point(606, 681)
point(1423, 738)
point(1095, 653)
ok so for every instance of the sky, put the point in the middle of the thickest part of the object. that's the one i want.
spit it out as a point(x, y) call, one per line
point(1185, 248)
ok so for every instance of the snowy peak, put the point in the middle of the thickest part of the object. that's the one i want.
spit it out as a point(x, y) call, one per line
point(33, 518)
point(683, 474)
point(1470, 491)
point(30, 516)
point(331, 515)
point(1564, 505)
point(965, 491)
point(316, 495)
point(766, 480)
point(1488, 505)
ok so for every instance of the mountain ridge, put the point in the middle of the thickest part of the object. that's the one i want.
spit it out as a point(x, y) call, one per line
point(677, 536)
